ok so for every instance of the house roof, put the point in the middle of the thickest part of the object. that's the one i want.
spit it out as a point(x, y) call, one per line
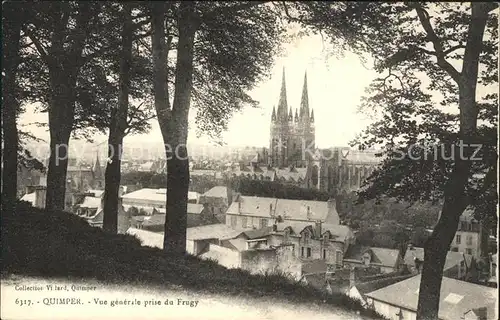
point(97, 193)
point(154, 195)
point(90, 202)
point(216, 192)
point(452, 258)
point(211, 231)
point(29, 197)
point(159, 219)
point(456, 298)
point(148, 238)
point(258, 233)
point(288, 209)
point(370, 286)
point(383, 256)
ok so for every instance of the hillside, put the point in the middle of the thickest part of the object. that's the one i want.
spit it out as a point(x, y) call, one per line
point(57, 244)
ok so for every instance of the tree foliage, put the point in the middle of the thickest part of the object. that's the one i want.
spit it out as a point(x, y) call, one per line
point(436, 61)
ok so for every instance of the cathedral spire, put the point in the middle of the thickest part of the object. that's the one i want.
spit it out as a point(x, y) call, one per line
point(304, 102)
point(312, 115)
point(273, 117)
point(282, 104)
point(97, 167)
point(296, 116)
point(290, 115)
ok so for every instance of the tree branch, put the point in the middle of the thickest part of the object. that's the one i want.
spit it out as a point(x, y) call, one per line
point(424, 18)
point(39, 46)
point(233, 9)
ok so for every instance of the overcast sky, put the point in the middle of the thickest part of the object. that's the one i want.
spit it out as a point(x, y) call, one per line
point(335, 86)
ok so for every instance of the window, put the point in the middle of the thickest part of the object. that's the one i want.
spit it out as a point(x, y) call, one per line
point(263, 223)
point(244, 222)
point(286, 235)
point(338, 258)
point(302, 251)
point(458, 239)
point(233, 221)
point(305, 237)
point(469, 240)
point(468, 251)
point(309, 252)
point(326, 239)
point(463, 225)
point(324, 254)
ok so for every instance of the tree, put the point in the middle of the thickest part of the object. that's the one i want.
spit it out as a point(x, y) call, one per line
point(118, 125)
point(12, 21)
point(65, 68)
point(215, 68)
point(411, 42)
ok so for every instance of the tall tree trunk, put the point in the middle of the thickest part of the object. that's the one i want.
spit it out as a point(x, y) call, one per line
point(64, 66)
point(61, 118)
point(11, 32)
point(439, 242)
point(117, 128)
point(178, 163)
point(160, 84)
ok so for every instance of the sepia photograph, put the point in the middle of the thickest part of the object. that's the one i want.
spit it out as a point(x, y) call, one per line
point(249, 160)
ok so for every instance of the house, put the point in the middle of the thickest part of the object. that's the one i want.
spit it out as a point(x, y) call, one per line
point(383, 259)
point(149, 199)
point(217, 199)
point(458, 300)
point(259, 212)
point(358, 290)
point(92, 210)
point(196, 216)
point(35, 195)
point(467, 237)
point(457, 264)
point(198, 238)
point(316, 241)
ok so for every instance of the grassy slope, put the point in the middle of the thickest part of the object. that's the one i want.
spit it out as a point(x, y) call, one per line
point(57, 244)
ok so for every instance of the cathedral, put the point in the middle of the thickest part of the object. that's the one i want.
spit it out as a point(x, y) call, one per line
point(291, 133)
point(292, 157)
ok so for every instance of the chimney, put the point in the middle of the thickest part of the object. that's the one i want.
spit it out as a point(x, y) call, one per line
point(317, 228)
point(352, 277)
point(309, 216)
point(239, 206)
point(40, 194)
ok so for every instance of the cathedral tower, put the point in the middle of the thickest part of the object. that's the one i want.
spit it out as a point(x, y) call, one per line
point(291, 134)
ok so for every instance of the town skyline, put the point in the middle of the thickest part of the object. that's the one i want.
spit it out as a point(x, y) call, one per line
point(335, 85)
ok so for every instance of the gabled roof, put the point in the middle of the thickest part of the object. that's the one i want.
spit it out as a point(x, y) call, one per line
point(456, 298)
point(216, 192)
point(452, 258)
point(286, 208)
point(370, 286)
point(211, 231)
point(29, 197)
point(380, 256)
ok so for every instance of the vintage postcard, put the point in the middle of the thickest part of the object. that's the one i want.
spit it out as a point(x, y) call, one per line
point(249, 160)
